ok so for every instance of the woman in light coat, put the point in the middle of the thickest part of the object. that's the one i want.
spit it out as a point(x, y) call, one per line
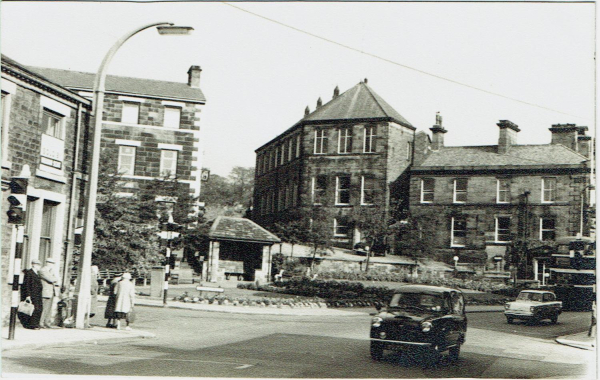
point(125, 299)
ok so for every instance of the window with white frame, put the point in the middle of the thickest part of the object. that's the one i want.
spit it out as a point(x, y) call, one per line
point(168, 163)
point(427, 190)
point(458, 231)
point(408, 151)
point(460, 190)
point(342, 190)
point(547, 228)
point(345, 140)
point(290, 148)
point(172, 117)
point(126, 162)
point(319, 187)
point(369, 139)
point(282, 158)
point(503, 190)
point(294, 194)
point(320, 141)
point(548, 189)
point(130, 113)
point(502, 233)
point(367, 190)
point(340, 227)
point(47, 230)
point(53, 124)
point(298, 137)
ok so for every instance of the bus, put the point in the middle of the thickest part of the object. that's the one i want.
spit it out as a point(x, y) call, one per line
point(572, 272)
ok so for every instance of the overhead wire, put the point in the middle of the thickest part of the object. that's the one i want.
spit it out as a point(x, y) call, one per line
point(400, 64)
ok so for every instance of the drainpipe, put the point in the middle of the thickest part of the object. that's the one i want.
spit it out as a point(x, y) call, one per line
point(72, 204)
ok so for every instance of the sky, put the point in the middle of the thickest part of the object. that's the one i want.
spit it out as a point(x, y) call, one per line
point(263, 63)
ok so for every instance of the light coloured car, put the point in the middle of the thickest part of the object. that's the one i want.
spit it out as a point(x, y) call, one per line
point(533, 305)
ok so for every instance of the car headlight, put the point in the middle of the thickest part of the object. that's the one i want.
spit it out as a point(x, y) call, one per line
point(376, 321)
point(506, 306)
point(426, 326)
point(532, 309)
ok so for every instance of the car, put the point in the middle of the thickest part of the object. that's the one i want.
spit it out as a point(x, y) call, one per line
point(377, 249)
point(420, 319)
point(533, 305)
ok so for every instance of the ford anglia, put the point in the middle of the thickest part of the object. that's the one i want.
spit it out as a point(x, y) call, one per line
point(533, 305)
point(421, 319)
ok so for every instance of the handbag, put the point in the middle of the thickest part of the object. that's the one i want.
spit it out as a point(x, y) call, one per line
point(26, 307)
point(130, 316)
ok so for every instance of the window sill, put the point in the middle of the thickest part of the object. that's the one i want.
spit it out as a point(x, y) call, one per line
point(6, 165)
point(50, 176)
point(458, 246)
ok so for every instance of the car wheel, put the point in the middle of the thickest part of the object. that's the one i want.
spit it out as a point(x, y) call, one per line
point(376, 351)
point(454, 353)
point(509, 320)
point(554, 319)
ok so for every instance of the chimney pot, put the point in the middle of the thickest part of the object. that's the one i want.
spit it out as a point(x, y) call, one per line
point(194, 76)
point(437, 133)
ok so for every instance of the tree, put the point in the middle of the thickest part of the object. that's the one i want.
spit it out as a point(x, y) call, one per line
point(124, 239)
point(315, 229)
point(230, 196)
point(290, 231)
point(242, 182)
point(375, 226)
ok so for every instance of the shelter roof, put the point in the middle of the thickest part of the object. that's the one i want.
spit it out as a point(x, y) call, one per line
point(240, 229)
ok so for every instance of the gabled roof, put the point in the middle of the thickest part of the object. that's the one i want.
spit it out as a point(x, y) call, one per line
point(359, 102)
point(518, 155)
point(240, 229)
point(77, 80)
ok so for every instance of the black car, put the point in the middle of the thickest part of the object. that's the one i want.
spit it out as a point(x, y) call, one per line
point(421, 319)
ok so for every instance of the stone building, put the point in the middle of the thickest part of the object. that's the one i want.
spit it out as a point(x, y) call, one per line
point(44, 127)
point(474, 202)
point(151, 127)
point(347, 153)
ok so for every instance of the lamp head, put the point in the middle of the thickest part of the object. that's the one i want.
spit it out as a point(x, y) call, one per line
point(174, 30)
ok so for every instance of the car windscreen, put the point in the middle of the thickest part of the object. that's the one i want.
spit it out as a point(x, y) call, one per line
point(420, 301)
point(527, 296)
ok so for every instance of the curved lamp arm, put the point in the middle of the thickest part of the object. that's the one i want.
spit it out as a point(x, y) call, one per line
point(101, 74)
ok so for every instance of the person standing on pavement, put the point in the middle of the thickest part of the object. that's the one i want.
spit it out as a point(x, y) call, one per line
point(94, 291)
point(50, 288)
point(109, 311)
point(125, 299)
point(32, 289)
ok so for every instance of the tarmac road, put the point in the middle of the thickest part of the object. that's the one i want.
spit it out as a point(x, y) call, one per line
point(213, 344)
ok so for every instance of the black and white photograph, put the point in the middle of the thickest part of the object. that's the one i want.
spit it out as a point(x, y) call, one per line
point(278, 189)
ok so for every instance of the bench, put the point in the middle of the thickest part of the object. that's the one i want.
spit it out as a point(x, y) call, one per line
point(209, 289)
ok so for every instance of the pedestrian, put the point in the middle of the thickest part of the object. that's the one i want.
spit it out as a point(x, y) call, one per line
point(109, 312)
point(94, 291)
point(125, 299)
point(32, 290)
point(50, 288)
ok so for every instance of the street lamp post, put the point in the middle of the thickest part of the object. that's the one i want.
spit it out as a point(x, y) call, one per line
point(84, 275)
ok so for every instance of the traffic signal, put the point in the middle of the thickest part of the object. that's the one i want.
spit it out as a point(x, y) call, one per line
point(17, 200)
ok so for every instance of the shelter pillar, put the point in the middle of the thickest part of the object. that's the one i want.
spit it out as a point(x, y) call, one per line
point(213, 261)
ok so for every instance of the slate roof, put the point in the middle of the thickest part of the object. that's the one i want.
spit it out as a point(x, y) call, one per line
point(518, 155)
point(359, 102)
point(240, 229)
point(124, 85)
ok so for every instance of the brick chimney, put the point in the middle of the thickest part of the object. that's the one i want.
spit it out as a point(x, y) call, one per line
point(319, 103)
point(422, 146)
point(194, 76)
point(571, 136)
point(508, 135)
point(437, 133)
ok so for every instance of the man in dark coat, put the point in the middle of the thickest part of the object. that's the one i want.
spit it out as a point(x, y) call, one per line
point(32, 289)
